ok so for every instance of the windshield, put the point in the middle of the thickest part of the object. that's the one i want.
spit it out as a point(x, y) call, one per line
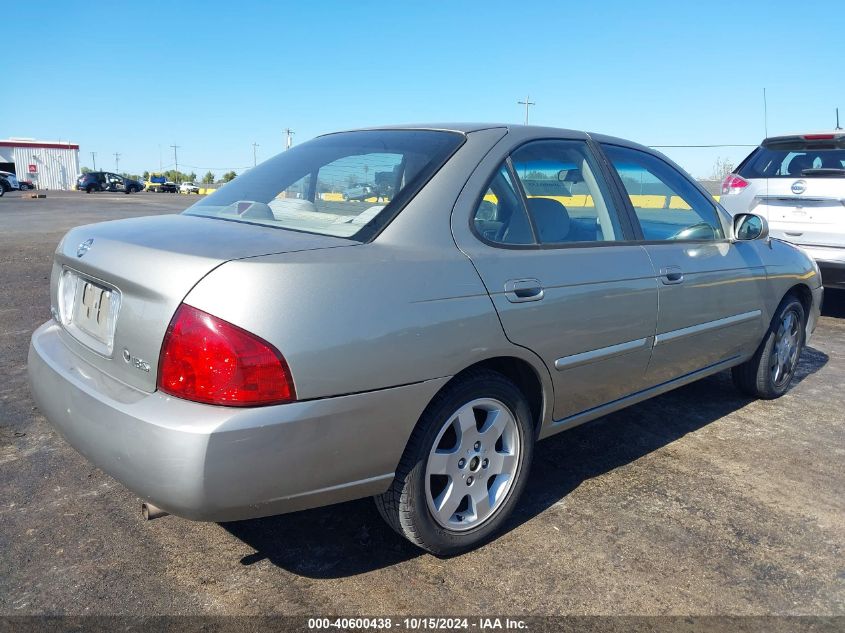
point(346, 185)
point(793, 162)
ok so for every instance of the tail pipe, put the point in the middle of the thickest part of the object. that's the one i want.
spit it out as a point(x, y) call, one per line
point(150, 512)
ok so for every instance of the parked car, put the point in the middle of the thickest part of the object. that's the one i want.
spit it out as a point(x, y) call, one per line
point(160, 184)
point(26, 185)
point(359, 192)
point(8, 181)
point(188, 187)
point(107, 181)
point(268, 351)
point(797, 183)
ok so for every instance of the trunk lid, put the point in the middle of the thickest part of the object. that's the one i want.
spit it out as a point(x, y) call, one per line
point(116, 285)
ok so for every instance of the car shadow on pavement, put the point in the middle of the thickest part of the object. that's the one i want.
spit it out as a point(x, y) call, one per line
point(351, 538)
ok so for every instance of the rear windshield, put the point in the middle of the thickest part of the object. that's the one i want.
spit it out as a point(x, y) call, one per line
point(793, 162)
point(346, 185)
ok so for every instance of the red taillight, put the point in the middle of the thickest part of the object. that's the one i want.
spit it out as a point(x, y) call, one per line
point(819, 137)
point(733, 184)
point(206, 359)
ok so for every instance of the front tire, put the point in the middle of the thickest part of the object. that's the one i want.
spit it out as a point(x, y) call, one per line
point(465, 466)
point(769, 372)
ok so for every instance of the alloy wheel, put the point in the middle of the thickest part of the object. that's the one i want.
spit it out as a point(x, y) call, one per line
point(472, 464)
point(784, 358)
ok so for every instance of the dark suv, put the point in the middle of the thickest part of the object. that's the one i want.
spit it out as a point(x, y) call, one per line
point(106, 181)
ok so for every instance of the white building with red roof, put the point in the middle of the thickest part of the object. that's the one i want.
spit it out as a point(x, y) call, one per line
point(47, 164)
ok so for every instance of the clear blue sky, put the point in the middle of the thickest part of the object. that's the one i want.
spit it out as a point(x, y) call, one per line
point(215, 77)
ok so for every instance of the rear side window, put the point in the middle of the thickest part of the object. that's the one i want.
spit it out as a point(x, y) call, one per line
point(561, 189)
point(668, 206)
point(500, 216)
point(794, 162)
point(566, 199)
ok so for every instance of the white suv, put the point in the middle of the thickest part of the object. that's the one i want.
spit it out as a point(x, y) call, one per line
point(797, 183)
point(189, 187)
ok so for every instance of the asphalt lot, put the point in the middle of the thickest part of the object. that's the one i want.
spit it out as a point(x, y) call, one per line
point(697, 502)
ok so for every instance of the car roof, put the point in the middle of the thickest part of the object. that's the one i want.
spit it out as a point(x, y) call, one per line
point(524, 130)
point(804, 136)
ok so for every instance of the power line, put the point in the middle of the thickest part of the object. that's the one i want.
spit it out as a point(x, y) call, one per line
point(214, 168)
point(699, 146)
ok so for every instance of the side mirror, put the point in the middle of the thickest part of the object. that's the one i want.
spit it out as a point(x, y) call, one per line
point(749, 226)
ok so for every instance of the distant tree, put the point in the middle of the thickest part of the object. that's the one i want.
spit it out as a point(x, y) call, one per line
point(192, 177)
point(146, 175)
point(229, 176)
point(537, 175)
point(208, 178)
point(721, 168)
point(86, 170)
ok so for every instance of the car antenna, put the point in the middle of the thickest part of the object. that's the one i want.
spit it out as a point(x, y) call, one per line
point(765, 115)
point(838, 127)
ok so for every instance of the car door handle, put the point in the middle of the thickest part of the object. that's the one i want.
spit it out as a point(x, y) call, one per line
point(671, 275)
point(521, 290)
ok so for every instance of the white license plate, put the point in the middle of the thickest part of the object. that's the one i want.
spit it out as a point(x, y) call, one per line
point(89, 310)
point(93, 310)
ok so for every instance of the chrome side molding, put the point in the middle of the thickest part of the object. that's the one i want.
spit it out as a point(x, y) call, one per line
point(704, 327)
point(568, 362)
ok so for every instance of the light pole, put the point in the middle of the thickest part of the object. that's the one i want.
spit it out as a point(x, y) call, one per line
point(117, 162)
point(288, 137)
point(255, 146)
point(94, 160)
point(527, 103)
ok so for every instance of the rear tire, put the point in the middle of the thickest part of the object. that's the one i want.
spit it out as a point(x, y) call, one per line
point(768, 374)
point(465, 466)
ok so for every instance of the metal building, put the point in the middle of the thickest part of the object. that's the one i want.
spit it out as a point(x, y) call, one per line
point(48, 165)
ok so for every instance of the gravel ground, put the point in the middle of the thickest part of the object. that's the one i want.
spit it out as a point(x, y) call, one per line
point(697, 502)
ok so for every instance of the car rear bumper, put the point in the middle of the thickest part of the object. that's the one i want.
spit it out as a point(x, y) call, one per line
point(220, 463)
point(831, 261)
point(833, 274)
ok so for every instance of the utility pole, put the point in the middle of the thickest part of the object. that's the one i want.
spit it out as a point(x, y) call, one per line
point(117, 162)
point(176, 161)
point(94, 160)
point(254, 154)
point(838, 127)
point(527, 103)
point(288, 137)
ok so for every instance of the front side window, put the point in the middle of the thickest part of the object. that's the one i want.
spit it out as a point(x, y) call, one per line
point(668, 206)
point(346, 185)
